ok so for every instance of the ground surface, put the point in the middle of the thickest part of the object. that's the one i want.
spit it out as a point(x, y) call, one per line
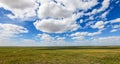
point(59, 55)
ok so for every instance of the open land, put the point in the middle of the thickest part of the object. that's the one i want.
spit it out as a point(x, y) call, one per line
point(60, 55)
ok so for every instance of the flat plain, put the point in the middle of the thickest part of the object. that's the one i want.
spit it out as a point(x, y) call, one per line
point(60, 55)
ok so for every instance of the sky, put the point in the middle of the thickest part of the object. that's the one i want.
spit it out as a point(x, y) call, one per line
point(59, 22)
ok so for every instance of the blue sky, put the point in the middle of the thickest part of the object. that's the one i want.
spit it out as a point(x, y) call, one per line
point(59, 22)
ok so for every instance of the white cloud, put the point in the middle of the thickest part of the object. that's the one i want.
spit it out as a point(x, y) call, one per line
point(99, 25)
point(53, 10)
point(20, 8)
point(45, 37)
point(22, 42)
point(79, 35)
point(10, 30)
point(111, 40)
point(60, 38)
point(60, 15)
point(44, 1)
point(81, 21)
point(101, 41)
point(78, 4)
point(94, 33)
point(105, 5)
point(115, 20)
point(57, 26)
point(79, 38)
point(114, 30)
point(115, 27)
point(105, 14)
point(82, 35)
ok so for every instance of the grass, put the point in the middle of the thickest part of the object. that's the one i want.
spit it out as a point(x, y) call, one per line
point(59, 55)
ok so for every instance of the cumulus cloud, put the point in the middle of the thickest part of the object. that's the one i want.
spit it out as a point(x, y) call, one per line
point(114, 30)
point(56, 26)
point(45, 37)
point(25, 9)
point(115, 20)
point(105, 14)
point(22, 42)
point(82, 35)
point(101, 41)
point(53, 10)
point(59, 16)
point(99, 25)
point(78, 4)
point(115, 24)
point(10, 30)
point(111, 40)
point(105, 4)
point(74, 5)
point(54, 14)
point(9, 34)
point(48, 40)
point(20, 8)
point(94, 33)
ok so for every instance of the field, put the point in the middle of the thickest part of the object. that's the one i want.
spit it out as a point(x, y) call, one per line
point(60, 55)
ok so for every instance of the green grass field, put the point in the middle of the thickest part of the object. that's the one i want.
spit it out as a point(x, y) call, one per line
point(59, 55)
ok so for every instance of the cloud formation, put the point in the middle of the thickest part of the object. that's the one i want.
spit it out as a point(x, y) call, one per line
point(10, 30)
point(60, 22)
point(61, 10)
point(99, 25)
point(20, 8)
point(53, 10)
point(56, 26)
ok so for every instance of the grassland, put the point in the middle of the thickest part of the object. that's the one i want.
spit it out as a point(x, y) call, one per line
point(59, 55)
